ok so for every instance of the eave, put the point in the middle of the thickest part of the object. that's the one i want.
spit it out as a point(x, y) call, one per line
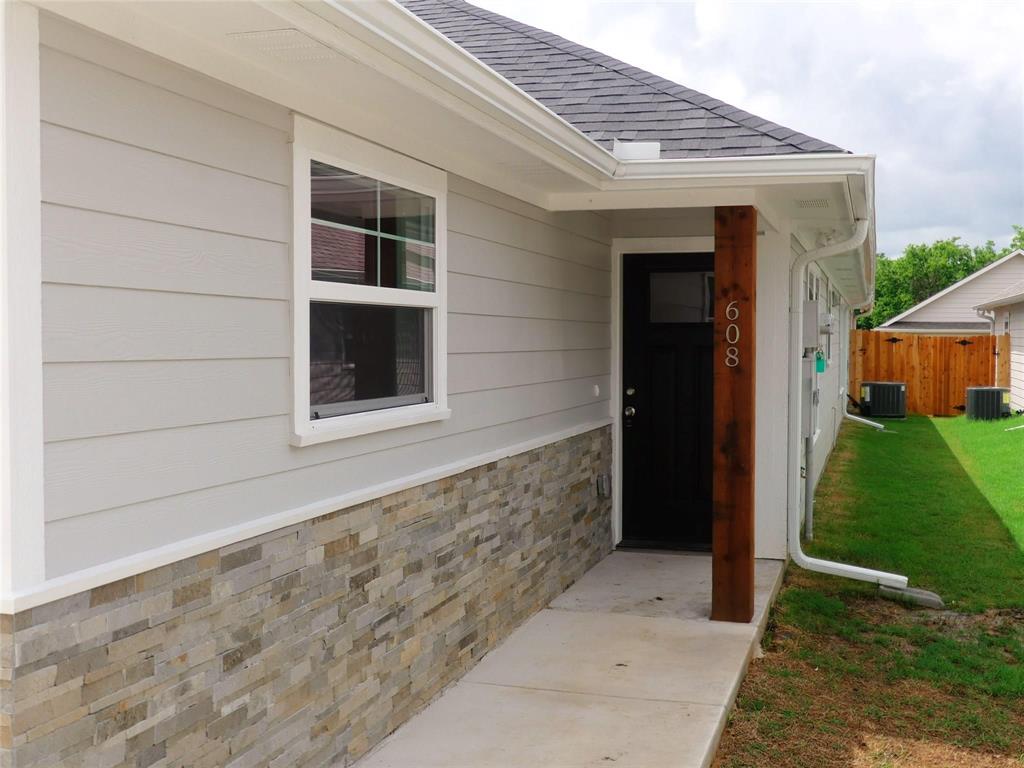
point(507, 139)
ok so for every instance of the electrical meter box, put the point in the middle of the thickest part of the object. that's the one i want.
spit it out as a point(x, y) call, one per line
point(812, 324)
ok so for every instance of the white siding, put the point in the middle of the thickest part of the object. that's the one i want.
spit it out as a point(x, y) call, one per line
point(166, 222)
point(957, 306)
point(831, 384)
point(772, 418)
point(1016, 313)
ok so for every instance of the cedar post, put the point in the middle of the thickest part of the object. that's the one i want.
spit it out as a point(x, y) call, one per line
point(732, 562)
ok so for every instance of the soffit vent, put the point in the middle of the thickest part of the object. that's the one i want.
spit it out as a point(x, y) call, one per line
point(288, 45)
point(821, 202)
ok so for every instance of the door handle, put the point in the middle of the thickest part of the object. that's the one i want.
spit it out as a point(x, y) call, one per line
point(629, 411)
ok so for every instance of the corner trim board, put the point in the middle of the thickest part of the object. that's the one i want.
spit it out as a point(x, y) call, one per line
point(22, 525)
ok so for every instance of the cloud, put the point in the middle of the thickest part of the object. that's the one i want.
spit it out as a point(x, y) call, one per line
point(935, 90)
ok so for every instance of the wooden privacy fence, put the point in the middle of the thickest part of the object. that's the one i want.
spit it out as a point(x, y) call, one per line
point(937, 369)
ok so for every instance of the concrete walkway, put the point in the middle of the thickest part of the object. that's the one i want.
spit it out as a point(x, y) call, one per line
point(624, 669)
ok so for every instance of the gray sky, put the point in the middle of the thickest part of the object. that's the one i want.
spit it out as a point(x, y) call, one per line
point(935, 90)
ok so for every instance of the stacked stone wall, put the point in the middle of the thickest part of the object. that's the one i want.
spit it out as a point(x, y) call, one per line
point(308, 645)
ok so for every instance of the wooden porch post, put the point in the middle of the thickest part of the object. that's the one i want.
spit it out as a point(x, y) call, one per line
point(732, 563)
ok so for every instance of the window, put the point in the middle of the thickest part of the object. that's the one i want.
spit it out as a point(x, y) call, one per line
point(682, 297)
point(369, 285)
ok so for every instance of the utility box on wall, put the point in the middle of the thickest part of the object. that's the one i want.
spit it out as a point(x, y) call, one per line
point(812, 325)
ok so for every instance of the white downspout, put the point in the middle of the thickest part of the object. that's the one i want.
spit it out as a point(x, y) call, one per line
point(862, 420)
point(991, 318)
point(796, 309)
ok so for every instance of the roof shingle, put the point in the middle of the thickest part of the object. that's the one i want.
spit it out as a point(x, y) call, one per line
point(606, 98)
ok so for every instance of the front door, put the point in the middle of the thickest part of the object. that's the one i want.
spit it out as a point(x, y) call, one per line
point(667, 381)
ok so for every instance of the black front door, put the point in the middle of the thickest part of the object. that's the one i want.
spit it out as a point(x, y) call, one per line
point(667, 380)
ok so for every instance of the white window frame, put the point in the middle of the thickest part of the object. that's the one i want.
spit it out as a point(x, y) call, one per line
point(313, 140)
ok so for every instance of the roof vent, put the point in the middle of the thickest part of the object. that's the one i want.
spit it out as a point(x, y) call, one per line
point(289, 45)
point(636, 150)
point(821, 202)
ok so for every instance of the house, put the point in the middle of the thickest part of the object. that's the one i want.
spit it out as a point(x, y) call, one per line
point(340, 337)
point(1007, 312)
point(952, 310)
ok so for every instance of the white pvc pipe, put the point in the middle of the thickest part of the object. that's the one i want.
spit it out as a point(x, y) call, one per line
point(796, 310)
point(862, 420)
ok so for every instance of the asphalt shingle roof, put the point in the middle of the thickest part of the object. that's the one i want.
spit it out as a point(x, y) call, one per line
point(606, 98)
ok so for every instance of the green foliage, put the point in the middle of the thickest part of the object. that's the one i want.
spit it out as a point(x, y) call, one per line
point(924, 270)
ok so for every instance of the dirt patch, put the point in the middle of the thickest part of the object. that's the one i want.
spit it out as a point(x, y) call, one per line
point(892, 752)
point(994, 622)
point(819, 701)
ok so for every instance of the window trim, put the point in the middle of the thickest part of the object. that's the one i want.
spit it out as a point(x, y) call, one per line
point(312, 140)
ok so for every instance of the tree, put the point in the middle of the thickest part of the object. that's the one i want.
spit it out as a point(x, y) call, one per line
point(924, 270)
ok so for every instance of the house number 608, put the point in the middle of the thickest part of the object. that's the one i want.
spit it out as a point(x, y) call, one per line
point(732, 335)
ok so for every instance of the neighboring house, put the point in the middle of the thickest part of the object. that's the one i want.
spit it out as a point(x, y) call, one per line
point(328, 327)
point(952, 310)
point(1007, 310)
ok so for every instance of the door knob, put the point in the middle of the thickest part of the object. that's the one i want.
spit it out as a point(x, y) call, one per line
point(629, 411)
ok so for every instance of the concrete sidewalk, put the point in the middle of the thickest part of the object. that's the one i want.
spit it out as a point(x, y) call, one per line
point(624, 669)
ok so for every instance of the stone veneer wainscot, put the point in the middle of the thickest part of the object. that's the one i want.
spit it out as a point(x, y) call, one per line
point(308, 645)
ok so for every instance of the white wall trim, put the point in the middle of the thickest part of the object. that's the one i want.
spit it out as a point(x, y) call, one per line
point(22, 525)
point(620, 247)
point(88, 578)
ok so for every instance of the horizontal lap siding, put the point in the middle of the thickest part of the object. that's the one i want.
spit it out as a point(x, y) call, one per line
point(958, 305)
point(166, 320)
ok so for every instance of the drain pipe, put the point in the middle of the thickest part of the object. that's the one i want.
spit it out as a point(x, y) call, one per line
point(862, 420)
point(796, 352)
point(990, 316)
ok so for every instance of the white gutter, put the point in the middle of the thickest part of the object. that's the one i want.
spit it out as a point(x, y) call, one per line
point(812, 164)
point(796, 308)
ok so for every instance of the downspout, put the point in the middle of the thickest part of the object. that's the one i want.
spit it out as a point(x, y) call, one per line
point(991, 317)
point(846, 413)
point(862, 420)
point(796, 310)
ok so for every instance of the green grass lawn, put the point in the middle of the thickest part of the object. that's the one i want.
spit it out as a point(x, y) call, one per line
point(994, 459)
point(851, 679)
point(904, 500)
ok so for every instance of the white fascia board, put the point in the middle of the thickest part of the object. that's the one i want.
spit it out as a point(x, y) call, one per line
point(788, 167)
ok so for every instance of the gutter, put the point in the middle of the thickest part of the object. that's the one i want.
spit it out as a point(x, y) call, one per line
point(796, 353)
point(770, 166)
